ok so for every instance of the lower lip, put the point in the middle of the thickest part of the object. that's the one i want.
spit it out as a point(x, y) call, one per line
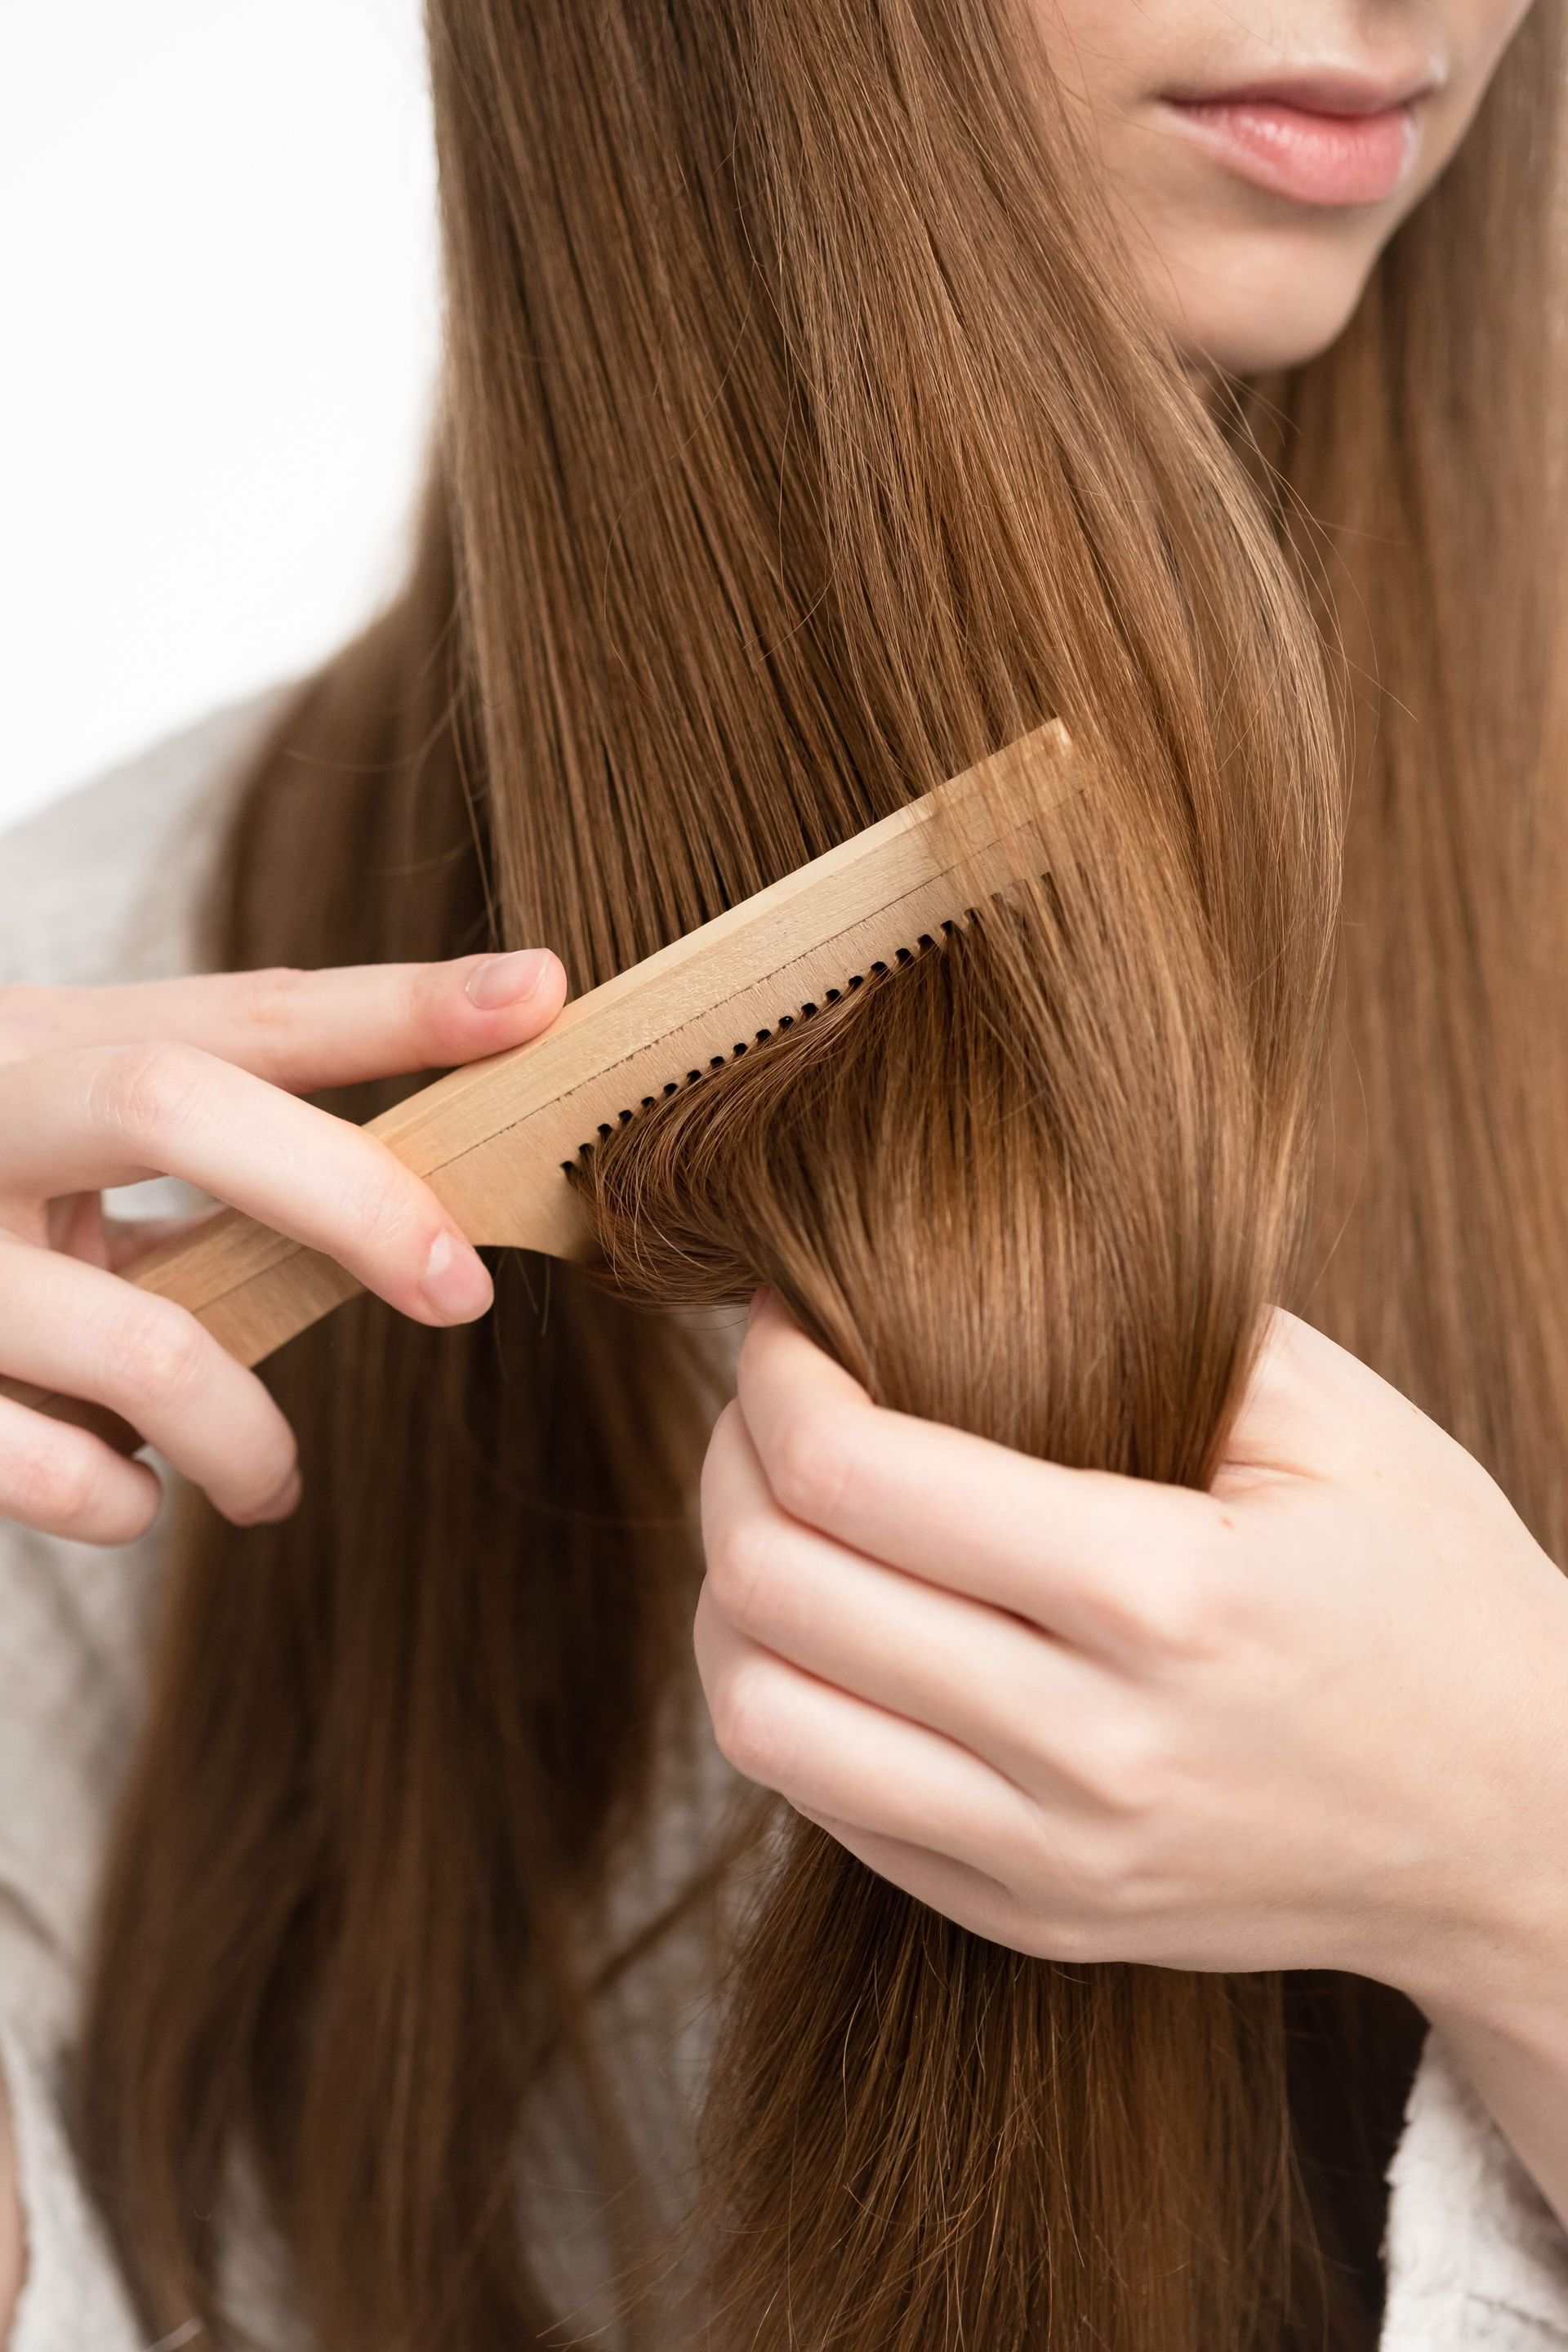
point(1315, 158)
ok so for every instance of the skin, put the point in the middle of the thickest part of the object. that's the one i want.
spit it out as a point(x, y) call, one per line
point(1097, 1718)
point(198, 1079)
point(1314, 1717)
point(1245, 278)
point(1091, 1718)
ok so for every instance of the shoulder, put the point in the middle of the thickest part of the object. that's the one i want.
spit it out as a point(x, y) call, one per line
point(105, 884)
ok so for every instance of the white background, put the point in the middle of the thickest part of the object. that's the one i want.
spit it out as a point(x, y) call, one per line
point(217, 343)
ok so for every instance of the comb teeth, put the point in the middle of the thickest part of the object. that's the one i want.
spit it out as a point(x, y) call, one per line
point(490, 1136)
point(876, 968)
point(497, 1139)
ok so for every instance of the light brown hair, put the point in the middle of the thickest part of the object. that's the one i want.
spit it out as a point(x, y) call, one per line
point(805, 437)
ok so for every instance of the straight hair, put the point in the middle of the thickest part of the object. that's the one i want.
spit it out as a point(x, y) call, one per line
point(805, 437)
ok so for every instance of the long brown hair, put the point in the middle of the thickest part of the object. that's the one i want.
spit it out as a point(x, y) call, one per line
point(805, 437)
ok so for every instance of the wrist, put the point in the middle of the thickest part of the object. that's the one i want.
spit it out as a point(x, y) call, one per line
point(1488, 1900)
point(1514, 2056)
point(1502, 1974)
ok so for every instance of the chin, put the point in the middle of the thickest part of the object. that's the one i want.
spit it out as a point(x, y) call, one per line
point(1256, 311)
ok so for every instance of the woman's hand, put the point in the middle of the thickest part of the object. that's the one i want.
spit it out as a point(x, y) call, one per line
point(1316, 1716)
point(198, 1079)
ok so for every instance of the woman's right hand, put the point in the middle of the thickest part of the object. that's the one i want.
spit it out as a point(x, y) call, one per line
point(198, 1078)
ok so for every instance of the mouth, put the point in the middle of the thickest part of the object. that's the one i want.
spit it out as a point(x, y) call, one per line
point(1323, 138)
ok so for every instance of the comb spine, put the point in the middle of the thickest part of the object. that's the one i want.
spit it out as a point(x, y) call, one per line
point(490, 1138)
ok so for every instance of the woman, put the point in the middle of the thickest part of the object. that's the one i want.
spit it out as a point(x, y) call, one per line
point(1169, 1706)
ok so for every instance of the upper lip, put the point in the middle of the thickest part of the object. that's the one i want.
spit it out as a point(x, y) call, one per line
point(1316, 91)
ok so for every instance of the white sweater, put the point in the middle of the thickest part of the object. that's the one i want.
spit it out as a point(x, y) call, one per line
point(103, 887)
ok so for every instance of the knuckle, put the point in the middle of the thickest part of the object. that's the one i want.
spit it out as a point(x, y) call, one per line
point(1168, 1609)
point(388, 1209)
point(1071, 1941)
point(1065, 1925)
point(744, 1569)
point(810, 1466)
point(746, 1724)
point(270, 1004)
point(1099, 1879)
point(1116, 1879)
point(1072, 1881)
point(50, 1486)
point(162, 1354)
point(712, 1480)
point(726, 1443)
point(432, 1012)
point(1178, 1609)
point(1126, 1767)
point(269, 996)
point(144, 1092)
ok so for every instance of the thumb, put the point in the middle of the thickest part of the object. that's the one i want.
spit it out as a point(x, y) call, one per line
point(1305, 1409)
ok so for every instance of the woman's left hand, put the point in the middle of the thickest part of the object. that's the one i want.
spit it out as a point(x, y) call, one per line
point(1317, 1716)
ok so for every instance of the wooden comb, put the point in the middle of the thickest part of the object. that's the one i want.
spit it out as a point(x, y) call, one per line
point(494, 1138)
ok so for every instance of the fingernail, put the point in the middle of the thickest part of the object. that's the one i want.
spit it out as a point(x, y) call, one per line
point(508, 979)
point(456, 1283)
point(283, 1502)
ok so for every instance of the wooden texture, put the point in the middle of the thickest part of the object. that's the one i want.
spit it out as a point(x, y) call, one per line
point(493, 1138)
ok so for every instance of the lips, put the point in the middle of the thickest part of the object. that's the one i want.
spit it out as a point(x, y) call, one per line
point(1317, 142)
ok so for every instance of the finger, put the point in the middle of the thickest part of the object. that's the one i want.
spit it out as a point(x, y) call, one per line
point(306, 1030)
point(965, 1895)
point(107, 1114)
point(62, 1482)
point(1312, 1409)
point(72, 1328)
point(1016, 1696)
point(1074, 1552)
point(830, 1753)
